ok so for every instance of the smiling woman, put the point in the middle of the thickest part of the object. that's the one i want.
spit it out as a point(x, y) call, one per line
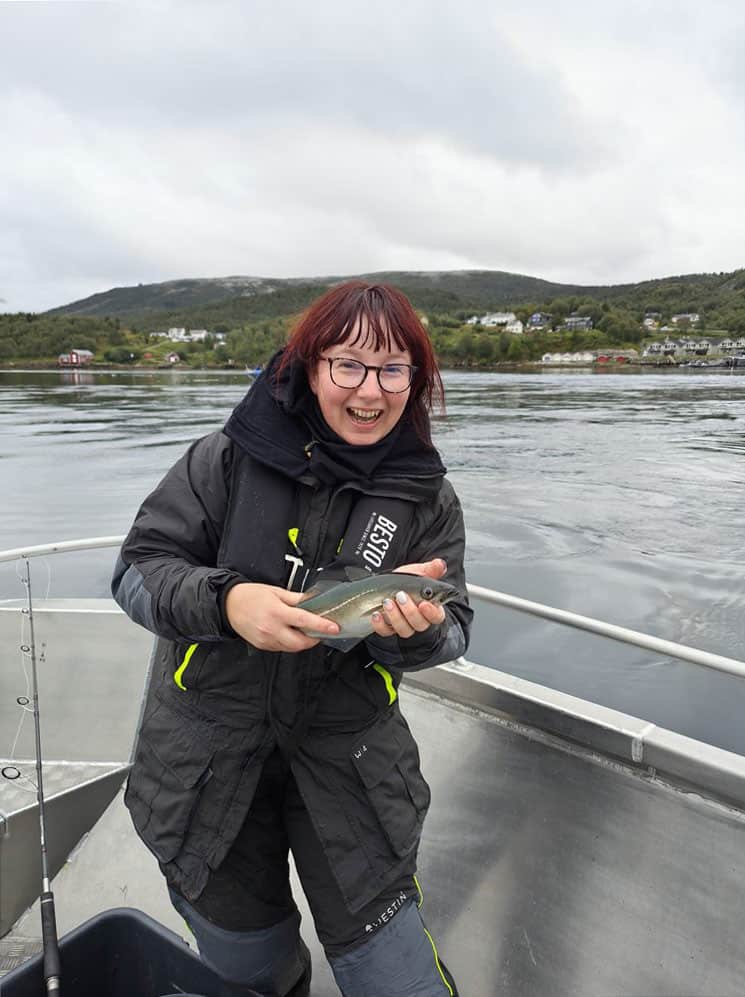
point(296, 739)
point(374, 327)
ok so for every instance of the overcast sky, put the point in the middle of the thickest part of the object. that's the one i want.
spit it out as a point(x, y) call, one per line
point(582, 141)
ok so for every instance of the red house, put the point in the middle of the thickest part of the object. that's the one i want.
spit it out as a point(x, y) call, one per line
point(75, 358)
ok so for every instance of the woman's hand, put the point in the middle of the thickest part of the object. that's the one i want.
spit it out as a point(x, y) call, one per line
point(265, 616)
point(404, 617)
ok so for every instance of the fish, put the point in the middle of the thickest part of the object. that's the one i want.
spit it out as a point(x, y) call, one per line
point(352, 604)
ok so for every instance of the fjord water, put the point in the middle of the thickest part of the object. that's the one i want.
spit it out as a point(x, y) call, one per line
point(615, 495)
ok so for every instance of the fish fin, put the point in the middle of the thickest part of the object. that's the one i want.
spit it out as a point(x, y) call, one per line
point(355, 574)
point(318, 588)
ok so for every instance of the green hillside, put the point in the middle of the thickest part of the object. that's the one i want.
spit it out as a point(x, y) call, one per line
point(253, 315)
point(204, 302)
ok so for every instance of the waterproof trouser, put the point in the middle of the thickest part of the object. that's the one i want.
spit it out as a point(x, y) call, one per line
point(399, 960)
point(247, 906)
point(269, 962)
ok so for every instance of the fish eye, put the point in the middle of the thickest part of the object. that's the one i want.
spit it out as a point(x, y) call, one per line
point(428, 591)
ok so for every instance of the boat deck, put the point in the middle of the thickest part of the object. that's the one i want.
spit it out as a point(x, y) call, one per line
point(569, 851)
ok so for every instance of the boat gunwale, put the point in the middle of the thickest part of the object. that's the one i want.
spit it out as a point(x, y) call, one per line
point(653, 751)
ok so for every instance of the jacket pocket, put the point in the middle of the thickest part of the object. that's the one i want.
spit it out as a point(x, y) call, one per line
point(387, 763)
point(190, 659)
point(171, 767)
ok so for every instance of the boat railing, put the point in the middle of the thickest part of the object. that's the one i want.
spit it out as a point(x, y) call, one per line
point(611, 631)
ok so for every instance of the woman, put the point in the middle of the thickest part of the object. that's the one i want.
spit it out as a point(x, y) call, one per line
point(257, 738)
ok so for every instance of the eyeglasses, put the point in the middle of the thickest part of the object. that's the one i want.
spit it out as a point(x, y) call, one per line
point(392, 377)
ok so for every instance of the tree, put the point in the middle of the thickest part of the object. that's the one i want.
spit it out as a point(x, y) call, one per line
point(485, 349)
point(516, 351)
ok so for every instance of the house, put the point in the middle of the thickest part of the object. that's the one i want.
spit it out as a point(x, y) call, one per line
point(651, 320)
point(515, 328)
point(732, 344)
point(699, 346)
point(75, 358)
point(173, 358)
point(198, 335)
point(179, 335)
point(574, 321)
point(669, 347)
point(539, 320)
point(581, 356)
point(492, 319)
point(686, 318)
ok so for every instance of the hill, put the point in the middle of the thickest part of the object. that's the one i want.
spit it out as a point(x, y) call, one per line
point(207, 302)
point(249, 317)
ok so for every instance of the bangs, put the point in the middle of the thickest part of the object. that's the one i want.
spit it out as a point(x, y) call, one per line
point(368, 322)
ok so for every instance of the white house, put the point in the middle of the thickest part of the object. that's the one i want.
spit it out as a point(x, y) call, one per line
point(492, 319)
point(581, 356)
point(179, 335)
point(685, 318)
point(198, 335)
point(515, 328)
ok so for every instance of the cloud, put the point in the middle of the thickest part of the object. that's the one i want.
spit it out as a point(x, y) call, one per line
point(576, 143)
point(453, 76)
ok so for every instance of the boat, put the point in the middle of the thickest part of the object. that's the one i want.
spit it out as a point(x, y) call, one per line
point(571, 850)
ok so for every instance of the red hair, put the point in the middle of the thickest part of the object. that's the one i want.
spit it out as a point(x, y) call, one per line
point(388, 318)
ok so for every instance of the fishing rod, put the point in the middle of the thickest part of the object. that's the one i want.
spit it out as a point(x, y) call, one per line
point(52, 970)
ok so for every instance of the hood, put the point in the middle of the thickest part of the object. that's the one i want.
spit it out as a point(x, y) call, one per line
point(280, 424)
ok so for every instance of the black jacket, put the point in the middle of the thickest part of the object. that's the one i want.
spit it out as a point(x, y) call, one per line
point(235, 508)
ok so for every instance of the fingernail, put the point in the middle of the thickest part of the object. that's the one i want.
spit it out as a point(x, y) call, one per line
point(401, 598)
point(388, 604)
point(443, 563)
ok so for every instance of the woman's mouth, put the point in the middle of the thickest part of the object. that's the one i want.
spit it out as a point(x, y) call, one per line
point(364, 417)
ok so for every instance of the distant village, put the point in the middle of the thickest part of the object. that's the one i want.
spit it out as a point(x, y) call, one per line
point(82, 358)
point(667, 350)
point(678, 343)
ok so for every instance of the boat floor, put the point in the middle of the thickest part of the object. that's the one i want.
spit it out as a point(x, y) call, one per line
point(547, 869)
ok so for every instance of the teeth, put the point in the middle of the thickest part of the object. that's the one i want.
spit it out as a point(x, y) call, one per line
point(363, 414)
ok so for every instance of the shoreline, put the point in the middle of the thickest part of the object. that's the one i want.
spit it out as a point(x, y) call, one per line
point(108, 368)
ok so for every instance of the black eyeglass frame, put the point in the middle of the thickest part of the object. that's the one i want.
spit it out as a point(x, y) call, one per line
point(368, 367)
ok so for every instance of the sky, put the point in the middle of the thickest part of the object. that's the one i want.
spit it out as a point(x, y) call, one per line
point(582, 142)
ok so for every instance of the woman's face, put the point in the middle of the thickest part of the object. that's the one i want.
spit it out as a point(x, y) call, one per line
point(365, 414)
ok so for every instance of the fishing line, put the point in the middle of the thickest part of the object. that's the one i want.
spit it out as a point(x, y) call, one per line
point(24, 702)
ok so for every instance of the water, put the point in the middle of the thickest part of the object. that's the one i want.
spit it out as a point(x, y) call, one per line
point(612, 495)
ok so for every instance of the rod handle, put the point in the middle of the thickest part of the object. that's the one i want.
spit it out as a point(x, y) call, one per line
point(52, 968)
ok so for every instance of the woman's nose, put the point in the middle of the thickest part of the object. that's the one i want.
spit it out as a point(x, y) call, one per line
point(370, 388)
